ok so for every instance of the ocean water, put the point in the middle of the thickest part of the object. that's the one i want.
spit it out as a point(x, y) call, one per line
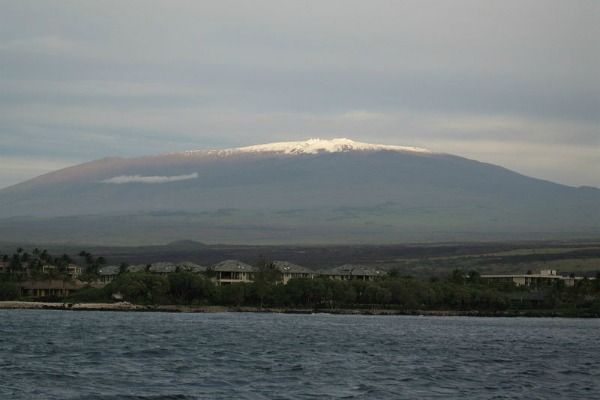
point(111, 355)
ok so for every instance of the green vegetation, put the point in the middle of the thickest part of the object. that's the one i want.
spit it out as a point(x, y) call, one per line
point(8, 291)
point(458, 292)
point(36, 265)
point(449, 288)
point(92, 265)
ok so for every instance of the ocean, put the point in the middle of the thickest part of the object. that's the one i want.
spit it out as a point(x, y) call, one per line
point(126, 355)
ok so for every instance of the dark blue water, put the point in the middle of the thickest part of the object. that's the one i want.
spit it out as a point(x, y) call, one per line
point(108, 355)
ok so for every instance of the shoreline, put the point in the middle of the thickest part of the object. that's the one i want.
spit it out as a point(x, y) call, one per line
point(129, 307)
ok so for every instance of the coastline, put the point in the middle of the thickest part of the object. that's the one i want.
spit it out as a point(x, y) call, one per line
point(129, 307)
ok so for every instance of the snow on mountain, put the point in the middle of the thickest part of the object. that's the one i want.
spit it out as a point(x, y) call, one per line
point(341, 192)
point(312, 146)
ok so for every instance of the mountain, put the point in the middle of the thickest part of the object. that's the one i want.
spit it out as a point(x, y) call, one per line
point(317, 191)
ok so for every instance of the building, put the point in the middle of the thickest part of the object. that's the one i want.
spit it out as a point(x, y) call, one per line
point(53, 288)
point(74, 271)
point(187, 266)
point(138, 268)
point(162, 268)
point(546, 277)
point(292, 271)
point(109, 273)
point(233, 271)
point(348, 272)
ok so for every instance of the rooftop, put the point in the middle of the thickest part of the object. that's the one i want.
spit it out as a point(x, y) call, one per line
point(233, 266)
point(286, 266)
point(354, 270)
point(109, 270)
point(188, 266)
point(137, 268)
point(163, 267)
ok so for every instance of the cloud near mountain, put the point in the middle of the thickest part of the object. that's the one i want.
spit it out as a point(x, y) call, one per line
point(119, 180)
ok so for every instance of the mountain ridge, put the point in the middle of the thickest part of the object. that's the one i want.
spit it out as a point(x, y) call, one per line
point(319, 189)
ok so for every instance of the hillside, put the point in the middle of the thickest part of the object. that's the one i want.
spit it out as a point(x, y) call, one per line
point(317, 191)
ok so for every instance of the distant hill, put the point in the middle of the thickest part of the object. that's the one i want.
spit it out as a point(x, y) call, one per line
point(317, 191)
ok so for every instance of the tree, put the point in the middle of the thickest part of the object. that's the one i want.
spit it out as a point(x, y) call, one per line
point(234, 294)
point(474, 277)
point(266, 276)
point(186, 287)
point(457, 277)
point(123, 268)
point(15, 264)
point(8, 291)
point(394, 273)
point(141, 287)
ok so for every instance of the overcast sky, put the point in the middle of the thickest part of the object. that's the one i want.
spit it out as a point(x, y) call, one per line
point(511, 83)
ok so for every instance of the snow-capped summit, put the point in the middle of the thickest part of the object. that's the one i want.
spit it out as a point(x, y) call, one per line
point(315, 146)
point(315, 191)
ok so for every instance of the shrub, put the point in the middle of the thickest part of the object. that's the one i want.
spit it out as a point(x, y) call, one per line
point(8, 291)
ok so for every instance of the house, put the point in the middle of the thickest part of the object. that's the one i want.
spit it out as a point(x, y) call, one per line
point(47, 269)
point(51, 288)
point(137, 268)
point(233, 271)
point(348, 272)
point(109, 273)
point(72, 270)
point(187, 266)
point(546, 277)
point(162, 268)
point(292, 271)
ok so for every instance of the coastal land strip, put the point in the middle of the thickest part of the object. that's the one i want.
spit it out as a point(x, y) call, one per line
point(129, 307)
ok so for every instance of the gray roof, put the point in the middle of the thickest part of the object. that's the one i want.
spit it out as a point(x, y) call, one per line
point(233, 266)
point(137, 268)
point(163, 268)
point(291, 268)
point(109, 270)
point(354, 270)
point(191, 267)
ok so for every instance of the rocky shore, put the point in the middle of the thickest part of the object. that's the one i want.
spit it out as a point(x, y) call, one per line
point(125, 306)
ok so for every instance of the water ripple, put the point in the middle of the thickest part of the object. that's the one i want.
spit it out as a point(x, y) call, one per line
point(51, 355)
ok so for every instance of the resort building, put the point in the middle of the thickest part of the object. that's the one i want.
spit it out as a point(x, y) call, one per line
point(546, 277)
point(162, 268)
point(348, 272)
point(292, 271)
point(52, 288)
point(109, 273)
point(233, 271)
point(138, 268)
point(72, 270)
point(187, 266)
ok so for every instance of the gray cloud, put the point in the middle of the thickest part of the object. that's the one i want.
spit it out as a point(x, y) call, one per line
point(514, 83)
